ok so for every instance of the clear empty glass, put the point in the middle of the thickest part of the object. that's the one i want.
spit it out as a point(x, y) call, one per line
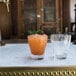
point(60, 44)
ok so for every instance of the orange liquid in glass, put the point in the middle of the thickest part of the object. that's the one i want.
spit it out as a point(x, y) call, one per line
point(37, 43)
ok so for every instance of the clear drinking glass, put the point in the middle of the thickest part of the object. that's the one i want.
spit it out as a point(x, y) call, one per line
point(60, 44)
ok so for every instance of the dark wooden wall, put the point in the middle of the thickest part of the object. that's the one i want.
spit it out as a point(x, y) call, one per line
point(9, 24)
point(66, 14)
point(5, 21)
point(13, 9)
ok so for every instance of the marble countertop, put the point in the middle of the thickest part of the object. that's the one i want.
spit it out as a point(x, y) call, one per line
point(18, 55)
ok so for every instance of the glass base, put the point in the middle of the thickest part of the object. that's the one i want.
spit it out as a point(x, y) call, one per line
point(37, 57)
point(61, 56)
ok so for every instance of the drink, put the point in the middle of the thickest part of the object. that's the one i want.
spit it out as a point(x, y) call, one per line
point(37, 44)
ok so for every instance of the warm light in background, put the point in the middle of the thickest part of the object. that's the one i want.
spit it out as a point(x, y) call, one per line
point(72, 12)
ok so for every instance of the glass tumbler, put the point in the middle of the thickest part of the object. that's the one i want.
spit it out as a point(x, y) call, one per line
point(37, 44)
point(60, 44)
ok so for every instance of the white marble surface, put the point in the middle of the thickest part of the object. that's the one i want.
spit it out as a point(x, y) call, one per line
point(18, 55)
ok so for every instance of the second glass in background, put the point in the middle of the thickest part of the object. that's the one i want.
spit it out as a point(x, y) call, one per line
point(60, 44)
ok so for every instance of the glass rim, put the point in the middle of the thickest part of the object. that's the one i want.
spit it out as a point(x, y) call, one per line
point(62, 34)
